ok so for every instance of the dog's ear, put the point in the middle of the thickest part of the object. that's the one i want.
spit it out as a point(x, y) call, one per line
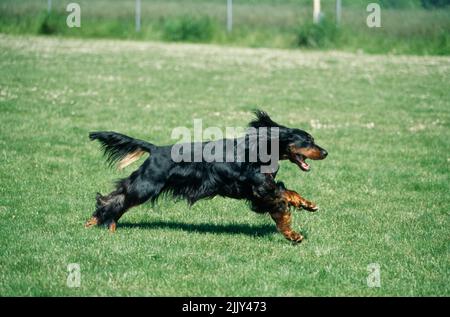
point(263, 120)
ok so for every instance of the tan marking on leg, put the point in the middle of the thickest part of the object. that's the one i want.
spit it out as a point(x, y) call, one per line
point(112, 227)
point(283, 221)
point(297, 201)
point(91, 222)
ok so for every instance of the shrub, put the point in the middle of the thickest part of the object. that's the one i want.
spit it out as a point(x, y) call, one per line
point(48, 25)
point(321, 35)
point(187, 28)
point(398, 4)
point(435, 3)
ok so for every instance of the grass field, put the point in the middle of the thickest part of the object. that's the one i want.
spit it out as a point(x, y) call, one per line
point(383, 190)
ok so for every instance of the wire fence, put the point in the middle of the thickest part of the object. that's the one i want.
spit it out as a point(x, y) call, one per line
point(316, 12)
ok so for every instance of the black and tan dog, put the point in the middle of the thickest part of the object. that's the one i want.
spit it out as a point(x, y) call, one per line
point(197, 180)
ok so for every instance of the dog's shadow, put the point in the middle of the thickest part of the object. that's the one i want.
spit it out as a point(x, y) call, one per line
point(250, 230)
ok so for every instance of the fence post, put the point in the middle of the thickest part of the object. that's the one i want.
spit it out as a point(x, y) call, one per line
point(229, 15)
point(138, 15)
point(316, 11)
point(338, 11)
point(49, 6)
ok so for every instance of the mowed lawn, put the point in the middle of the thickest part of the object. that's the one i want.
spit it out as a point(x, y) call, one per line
point(383, 190)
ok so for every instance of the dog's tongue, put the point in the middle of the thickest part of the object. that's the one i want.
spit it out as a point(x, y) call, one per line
point(304, 166)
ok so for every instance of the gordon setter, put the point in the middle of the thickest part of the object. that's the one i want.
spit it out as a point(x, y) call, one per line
point(193, 181)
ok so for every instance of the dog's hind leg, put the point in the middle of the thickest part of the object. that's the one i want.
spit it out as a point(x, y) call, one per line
point(108, 210)
point(130, 192)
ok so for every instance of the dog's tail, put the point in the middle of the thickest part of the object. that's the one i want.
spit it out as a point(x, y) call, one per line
point(121, 149)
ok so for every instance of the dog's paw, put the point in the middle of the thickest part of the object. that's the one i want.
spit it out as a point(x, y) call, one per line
point(91, 222)
point(310, 206)
point(295, 237)
point(112, 226)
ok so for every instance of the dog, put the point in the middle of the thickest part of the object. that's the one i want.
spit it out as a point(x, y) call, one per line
point(193, 181)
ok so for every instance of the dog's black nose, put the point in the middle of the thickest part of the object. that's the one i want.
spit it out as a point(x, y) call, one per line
point(324, 153)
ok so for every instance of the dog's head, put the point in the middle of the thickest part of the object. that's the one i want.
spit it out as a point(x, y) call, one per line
point(301, 146)
point(295, 145)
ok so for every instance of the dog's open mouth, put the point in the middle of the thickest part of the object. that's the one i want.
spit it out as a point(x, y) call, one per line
point(300, 161)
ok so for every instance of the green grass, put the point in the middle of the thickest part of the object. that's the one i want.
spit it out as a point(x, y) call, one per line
point(407, 28)
point(383, 190)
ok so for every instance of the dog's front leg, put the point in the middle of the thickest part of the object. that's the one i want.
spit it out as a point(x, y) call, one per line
point(268, 196)
point(295, 200)
point(283, 221)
